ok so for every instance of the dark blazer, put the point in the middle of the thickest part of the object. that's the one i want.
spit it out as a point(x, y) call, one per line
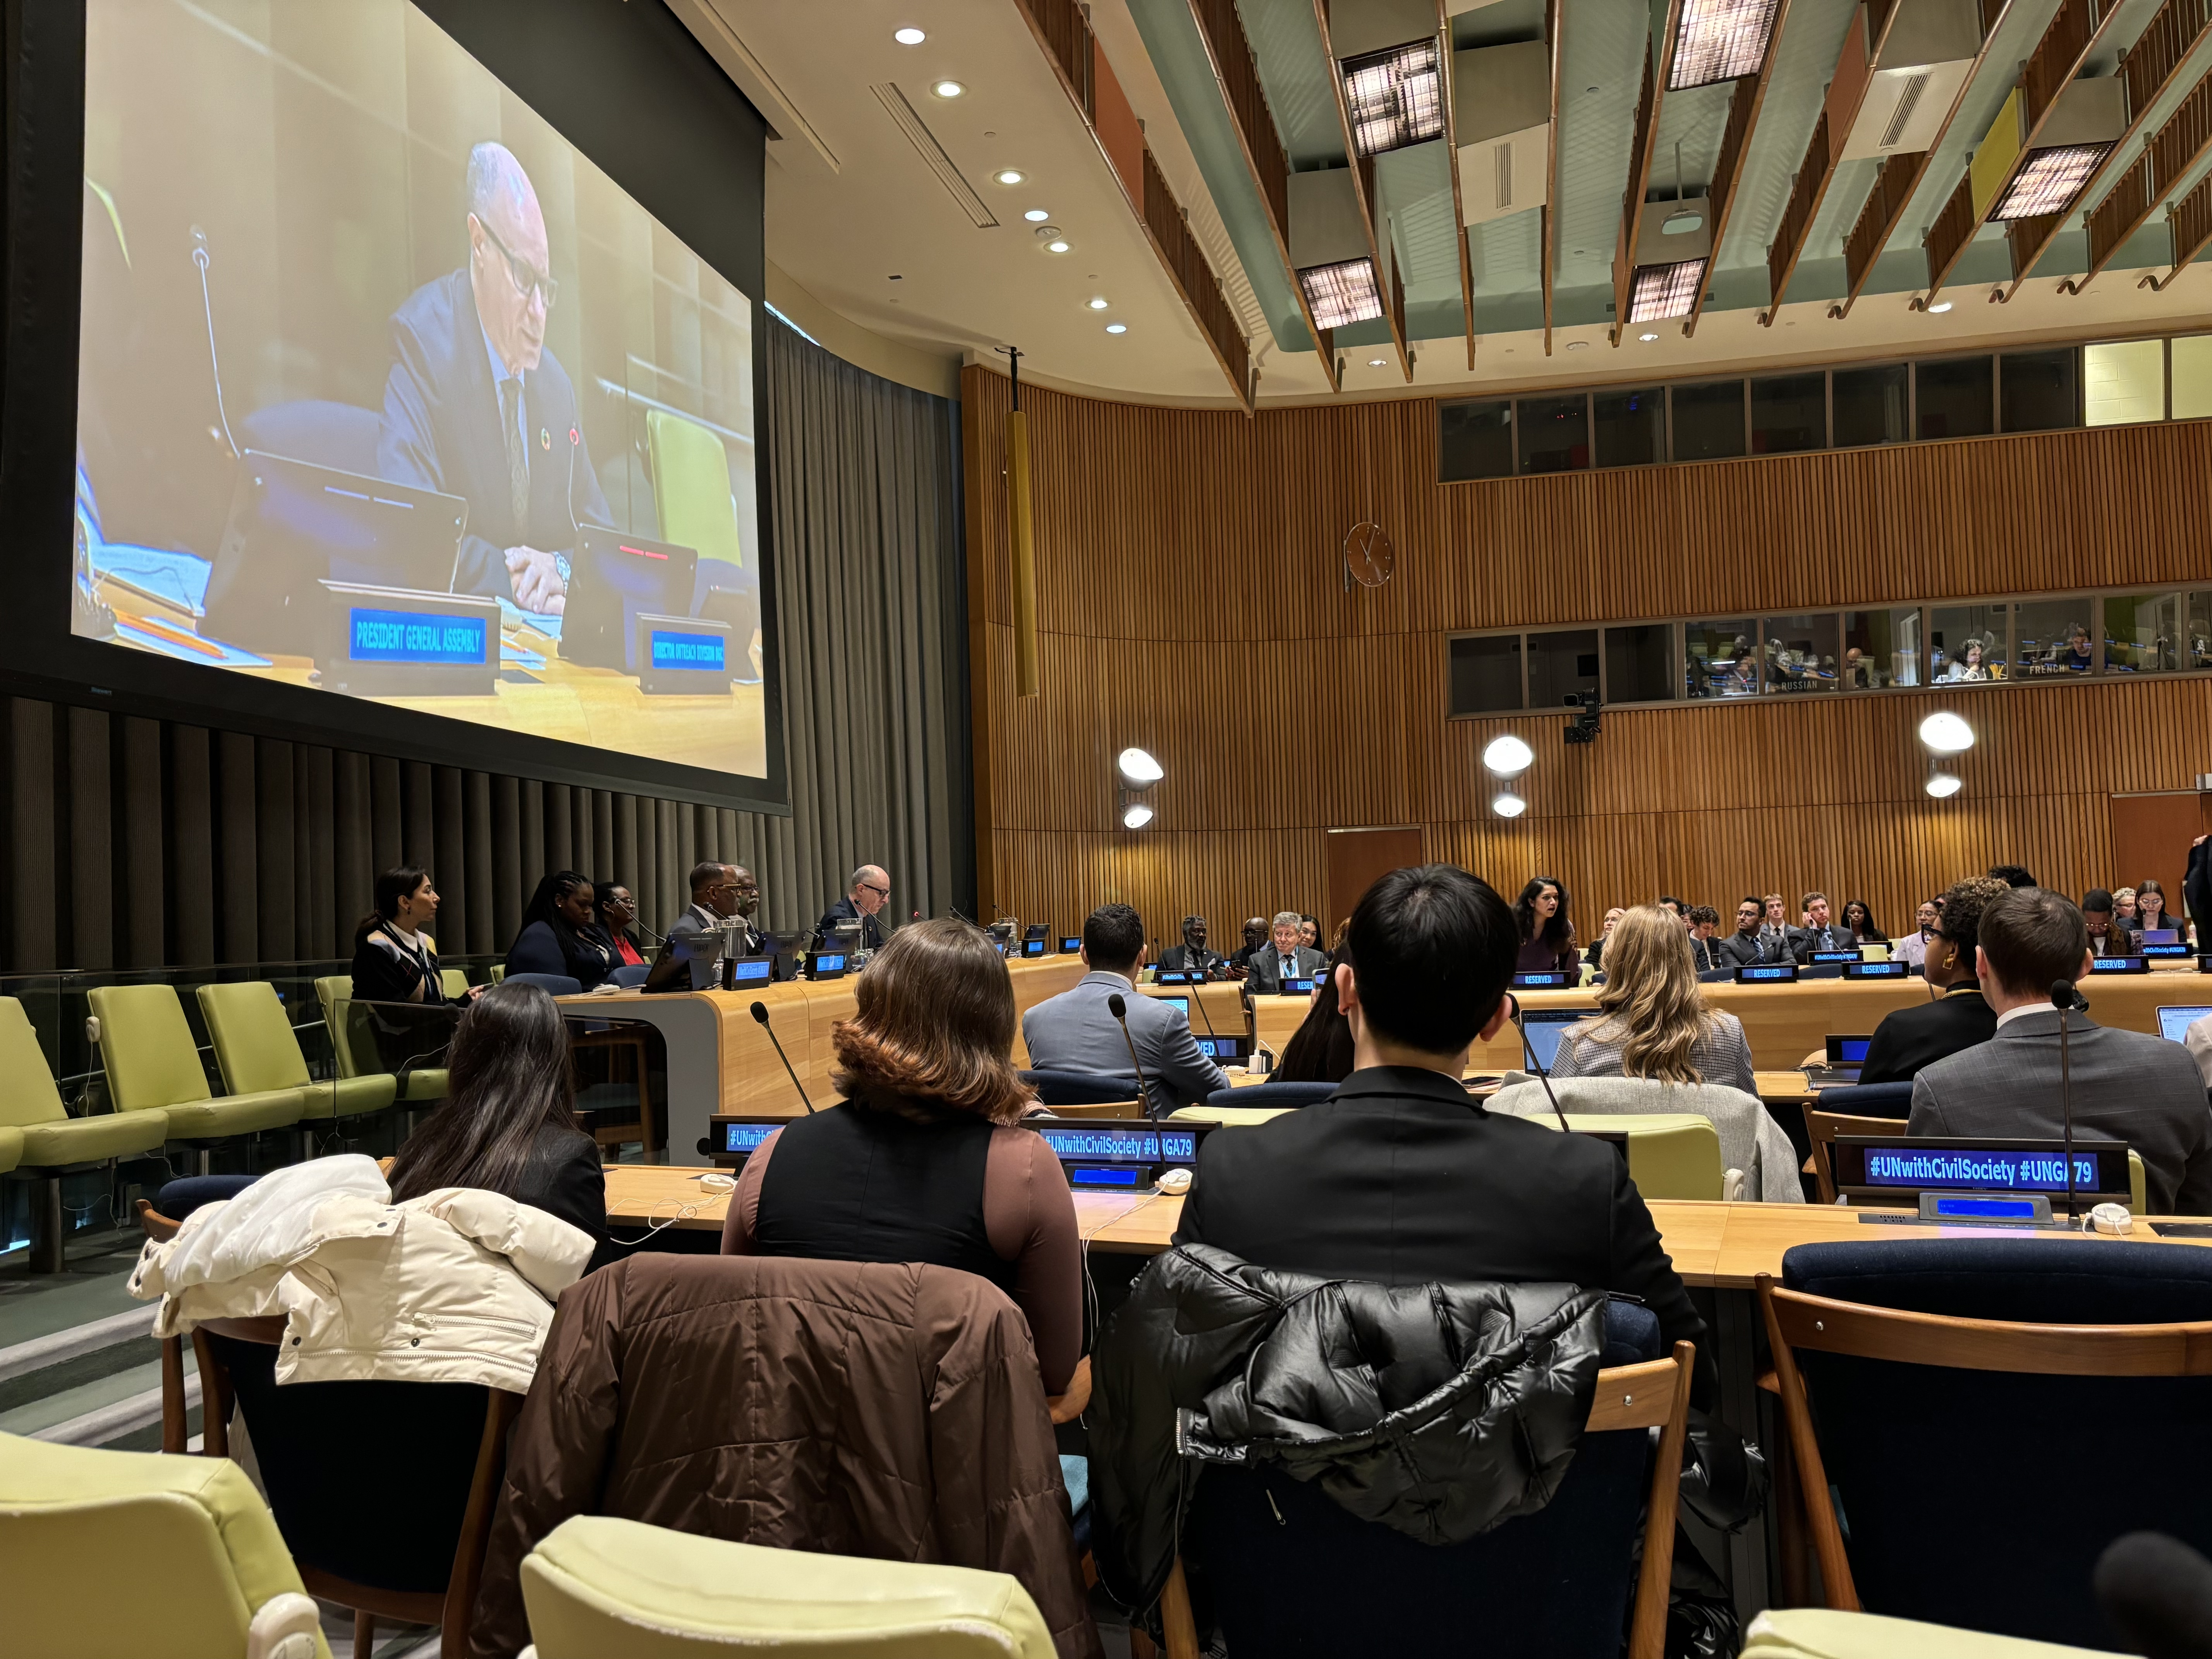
point(1177, 957)
point(441, 431)
point(871, 931)
point(1404, 1178)
point(378, 976)
point(2197, 892)
point(565, 1178)
point(1803, 941)
point(697, 920)
point(2127, 1086)
point(538, 950)
point(1745, 951)
point(1909, 1038)
point(1267, 976)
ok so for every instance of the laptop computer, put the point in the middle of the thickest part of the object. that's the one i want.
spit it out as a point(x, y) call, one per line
point(293, 524)
point(2173, 1024)
point(1545, 1026)
point(613, 578)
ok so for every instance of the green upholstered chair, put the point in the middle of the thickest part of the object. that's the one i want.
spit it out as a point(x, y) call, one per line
point(597, 1585)
point(208, 1572)
point(152, 1061)
point(691, 486)
point(40, 1141)
point(1824, 1633)
point(258, 1051)
point(498, 972)
point(1670, 1155)
point(455, 982)
point(355, 1043)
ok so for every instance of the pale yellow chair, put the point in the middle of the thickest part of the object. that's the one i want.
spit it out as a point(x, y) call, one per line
point(1824, 1633)
point(454, 981)
point(597, 1586)
point(1228, 1117)
point(1670, 1155)
point(355, 1046)
point(207, 1572)
point(1873, 953)
point(256, 1050)
point(153, 1063)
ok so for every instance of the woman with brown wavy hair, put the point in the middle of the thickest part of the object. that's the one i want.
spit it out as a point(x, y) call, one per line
point(921, 1161)
point(1652, 1020)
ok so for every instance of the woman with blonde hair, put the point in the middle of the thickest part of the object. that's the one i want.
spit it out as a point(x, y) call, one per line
point(1652, 1021)
point(921, 1161)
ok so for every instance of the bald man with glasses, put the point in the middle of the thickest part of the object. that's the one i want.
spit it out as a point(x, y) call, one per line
point(865, 894)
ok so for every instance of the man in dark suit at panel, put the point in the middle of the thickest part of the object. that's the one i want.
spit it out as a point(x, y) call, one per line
point(865, 894)
point(1192, 955)
point(2127, 1085)
point(1915, 1037)
point(476, 406)
point(1282, 958)
point(1402, 1177)
point(1749, 945)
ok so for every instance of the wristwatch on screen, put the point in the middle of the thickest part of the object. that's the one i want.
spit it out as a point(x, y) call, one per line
point(560, 564)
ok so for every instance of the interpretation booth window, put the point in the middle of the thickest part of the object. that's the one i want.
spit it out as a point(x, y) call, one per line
point(1719, 659)
point(1708, 420)
point(1871, 405)
point(1800, 654)
point(1881, 648)
point(2040, 390)
point(1789, 412)
point(1475, 440)
point(1561, 666)
point(1967, 641)
point(1554, 434)
point(1485, 674)
point(2149, 633)
point(1631, 425)
point(1954, 398)
point(1637, 666)
point(2052, 638)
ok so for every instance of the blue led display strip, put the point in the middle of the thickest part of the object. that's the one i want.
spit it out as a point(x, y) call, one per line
point(1992, 1170)
point(413, 636)
point(700, 652)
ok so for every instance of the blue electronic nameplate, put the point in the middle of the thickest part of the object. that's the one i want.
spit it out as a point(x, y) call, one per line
point(1068, 947)
point(1106, 1143)
point(828, 964)
point(2119, 965)
point(1976, 1170)
point(1758, 973)
point(1987, 1209)
point(1032, 947)
point(699, 651)
point(413, 636)
point(746, 1137)
point(2176, 949)
point(1837, 956)
point(1877, 970)
point(1539, 982)
point(1173, 976)
point(752, 973)
point(1222, 1049)
point(1125, 1176)
point(1297, 988)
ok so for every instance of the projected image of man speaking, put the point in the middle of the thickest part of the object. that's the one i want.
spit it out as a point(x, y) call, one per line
point(477, 407)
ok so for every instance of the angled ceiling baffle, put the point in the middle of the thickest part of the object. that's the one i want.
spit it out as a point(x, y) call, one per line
point(2154, 70)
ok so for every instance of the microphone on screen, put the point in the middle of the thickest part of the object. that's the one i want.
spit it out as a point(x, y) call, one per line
point(2156, 1593)
point(760, 1013)
point(1120, 1009)
point(2065, 998)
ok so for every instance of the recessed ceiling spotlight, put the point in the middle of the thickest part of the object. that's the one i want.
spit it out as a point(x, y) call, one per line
point(948, 88)
point(1939, 307)
point(1375, 362)
point(1578, 345)
point(1098, 304)
point(1009, 175)
point(1037, 216)
point(908, 36)
point(894, 277)
point(1647, 338)
point(1056, 247)
point(1117, 328)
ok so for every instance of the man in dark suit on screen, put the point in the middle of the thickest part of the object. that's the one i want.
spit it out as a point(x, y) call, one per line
point(1402, 1176)
point(476, 406)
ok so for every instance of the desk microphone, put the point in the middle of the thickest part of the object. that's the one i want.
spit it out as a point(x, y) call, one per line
point(207, 307)
point(760, 1013)
point(2065, 998)
point(1120, 1009)
point(2156, 1593)
point(1528, 1049)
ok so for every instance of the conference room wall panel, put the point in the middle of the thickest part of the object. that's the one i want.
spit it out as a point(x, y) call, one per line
point(1191, 600)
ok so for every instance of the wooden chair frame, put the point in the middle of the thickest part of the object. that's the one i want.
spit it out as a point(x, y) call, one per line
point(1822, 1128)
point(632, 1041)
point(1655, 1394)
point(450, 1609)
point(1110, 1108)
point(1796, 1320)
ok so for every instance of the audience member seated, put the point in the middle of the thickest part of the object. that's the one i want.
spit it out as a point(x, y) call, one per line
point(2127, 1085)
point(1859, 923)
point(2013, 875)
point(1751, 943)
point(865, 894)
point(1320, 1050)
point(1774, 925)
point(560, 932)
point(1191, 956)
point(394, 957)
point(508, 1123)
point(1547, 932)
point(1255, 940)
point(1403, 1177)
point(923, 1160)
point(2124, 908)
point(1310, 933)
point(2108, 935)
point(1819, 932)
point(1913, 947)
point(616, 912)
point(1909, 1038)
point(1705, 923)
point(1284, 958)
point(2150, 910)
point(1596, 957)
point(1652, 1021)
point(1076, 1031)
point(2196, 890)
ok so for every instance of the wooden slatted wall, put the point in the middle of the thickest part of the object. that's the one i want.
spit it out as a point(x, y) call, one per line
point(1191, 594)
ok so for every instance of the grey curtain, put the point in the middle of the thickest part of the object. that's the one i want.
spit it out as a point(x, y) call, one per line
point(134, 842)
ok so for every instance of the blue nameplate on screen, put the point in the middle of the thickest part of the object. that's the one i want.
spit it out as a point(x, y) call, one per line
point(701, 652)
point(1877, 970)
point(1979, 1170)
point(1837, 956)
point(2167, 950)
point(2119, 965)
point(1126, 1175)
point(755, 972)
point(1068, 947)
point(1297, 988)
point(1032, 947)
point(1962, 1207)
point(1223, 1049)
point(746, 1137)
point(414, 637)
point(1172, 977)
point(1766, 972)
point(1541, 981)
point(826, 967)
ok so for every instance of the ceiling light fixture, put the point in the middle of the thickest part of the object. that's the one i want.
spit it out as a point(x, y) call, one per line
point(1720, 40)
point(1136, 815)
point(1507, 804)
point(1508, 756)
point(1647, 338)
point(1945, 733)
point(1343, 293)
point(1117, 328)
point(908, 36)
point(1056, 247)
point(1137, 769)
point(1037, 216)
point(1944, 784)
point(1579, 346)
point(1375, 362)
point(1939, 307)
point(1661, 292)
point(1395, 97)
point(1098, 304)
point(2048, 180)
point(948, 88)
point(1009, 176)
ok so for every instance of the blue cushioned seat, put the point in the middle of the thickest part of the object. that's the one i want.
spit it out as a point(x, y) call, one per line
point(1273, 1094)
point(1080, 1088)
point(1867, 1100)
point(559, 985)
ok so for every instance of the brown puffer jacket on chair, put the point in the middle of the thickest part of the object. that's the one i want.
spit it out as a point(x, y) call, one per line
point(848, 1408)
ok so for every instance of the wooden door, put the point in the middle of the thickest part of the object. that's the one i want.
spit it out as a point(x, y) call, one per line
point(2150, 838)
point(1356, 858)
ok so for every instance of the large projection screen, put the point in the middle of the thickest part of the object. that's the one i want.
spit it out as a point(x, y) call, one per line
point(393, 403)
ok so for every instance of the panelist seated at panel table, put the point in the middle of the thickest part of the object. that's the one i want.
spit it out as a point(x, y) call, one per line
point(865, 894)
point(924, 1159)
point(721, 894)
point(1909, 1039)
point(1192, 956)
point(2108, 933)
point(1283, 959)
point(1652, 1019)
point(1405, 1178)
point(2127, 1085)
point(1076, 1030)
point(560, 932)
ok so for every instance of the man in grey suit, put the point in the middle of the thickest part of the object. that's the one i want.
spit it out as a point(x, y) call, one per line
point(2127, 1085)
point(719, 893)
point(1286, 958)
point(1075, 1031)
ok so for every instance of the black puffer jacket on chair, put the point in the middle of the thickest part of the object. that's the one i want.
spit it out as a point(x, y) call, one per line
point(1438, 1410)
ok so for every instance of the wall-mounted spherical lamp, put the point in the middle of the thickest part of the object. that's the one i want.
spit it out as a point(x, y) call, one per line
point(1944, 784)
point(1946, 733)
point(1507, 756)
point(1136, 815)
point(1138, 769)
point(1507, 804)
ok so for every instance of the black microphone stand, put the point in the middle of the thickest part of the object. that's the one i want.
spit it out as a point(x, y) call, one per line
point(1119, 1008)
point(760, 1013)
point(2065, 998)
point(1528, 1049)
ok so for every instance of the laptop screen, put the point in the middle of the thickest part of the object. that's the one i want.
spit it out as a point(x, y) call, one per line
point(2173, 1024)
point(1545, 1026)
